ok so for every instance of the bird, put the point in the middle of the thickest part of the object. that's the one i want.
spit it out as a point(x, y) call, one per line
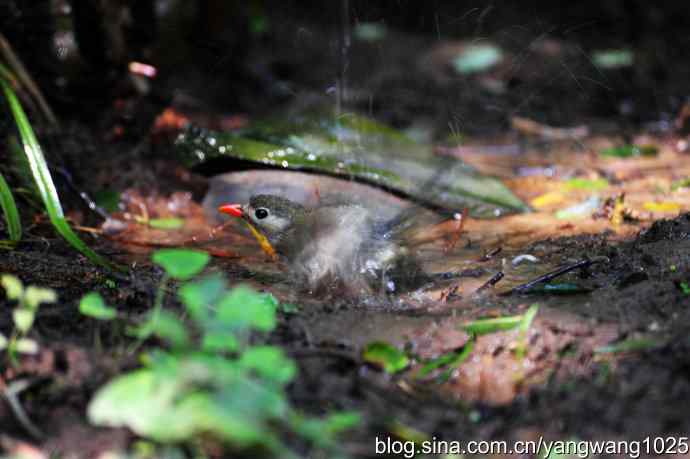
point(338, 246)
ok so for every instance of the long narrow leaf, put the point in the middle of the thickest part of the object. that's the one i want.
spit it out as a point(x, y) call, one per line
point(9, 208)
point(44, 181)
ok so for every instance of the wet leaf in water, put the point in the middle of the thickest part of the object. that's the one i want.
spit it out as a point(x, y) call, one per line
point(385, 356)
point(355, 147)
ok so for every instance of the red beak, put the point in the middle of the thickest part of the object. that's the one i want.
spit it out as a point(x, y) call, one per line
point(232, 209)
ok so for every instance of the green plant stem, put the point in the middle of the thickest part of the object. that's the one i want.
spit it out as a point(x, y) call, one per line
point(12, 349)
point(160, 296)
point(9, 207)
point(155, 314)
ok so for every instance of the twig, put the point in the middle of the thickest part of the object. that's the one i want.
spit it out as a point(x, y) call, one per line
point(548, 277)
point(10, 393)
point(531, 127)
point(25, 79)
point(491, 282)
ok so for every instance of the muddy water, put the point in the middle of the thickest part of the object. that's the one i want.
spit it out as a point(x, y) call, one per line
point(428, 322)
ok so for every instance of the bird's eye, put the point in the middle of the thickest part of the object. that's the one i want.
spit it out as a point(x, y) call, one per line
point(261, 213)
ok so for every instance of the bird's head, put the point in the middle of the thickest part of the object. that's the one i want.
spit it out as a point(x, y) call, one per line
point(272, 215)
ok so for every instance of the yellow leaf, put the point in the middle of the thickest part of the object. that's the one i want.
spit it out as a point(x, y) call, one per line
point(662, 206)
point(547, 199)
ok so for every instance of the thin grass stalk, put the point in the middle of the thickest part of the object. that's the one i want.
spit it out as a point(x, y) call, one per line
point(9, 208)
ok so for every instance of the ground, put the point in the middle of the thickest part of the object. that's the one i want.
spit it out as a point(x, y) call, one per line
point(607, 362)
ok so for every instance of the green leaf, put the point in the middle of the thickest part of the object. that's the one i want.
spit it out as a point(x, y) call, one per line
point(92, 305)
point(26, 346)
point(181, 264)
point(340, 422)
point(9, 208)
point(450, 359)
point(142, 402)
point(528, 317)
point(219, 341)
point(35, 296)
point(166, 223)
point(166, 326)
point(630, 151)
point(201, 295)
point(354, 147)
point(683, 183)
point(3, 342)
point(587, 184)
point(43, 179)
point(13, 287)
point(629, 345)
point(270, 363)
point(493, 325)
point(525, 323)
point(322, 432)
point(684, 287)
point(243, 308)
point(477, 58)
point(613, 58)
point(385, 356)
point(23, 319)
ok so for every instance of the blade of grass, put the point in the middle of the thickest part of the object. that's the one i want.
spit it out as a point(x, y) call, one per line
point(44, 181)
point(493, 325)
point(9, 208)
